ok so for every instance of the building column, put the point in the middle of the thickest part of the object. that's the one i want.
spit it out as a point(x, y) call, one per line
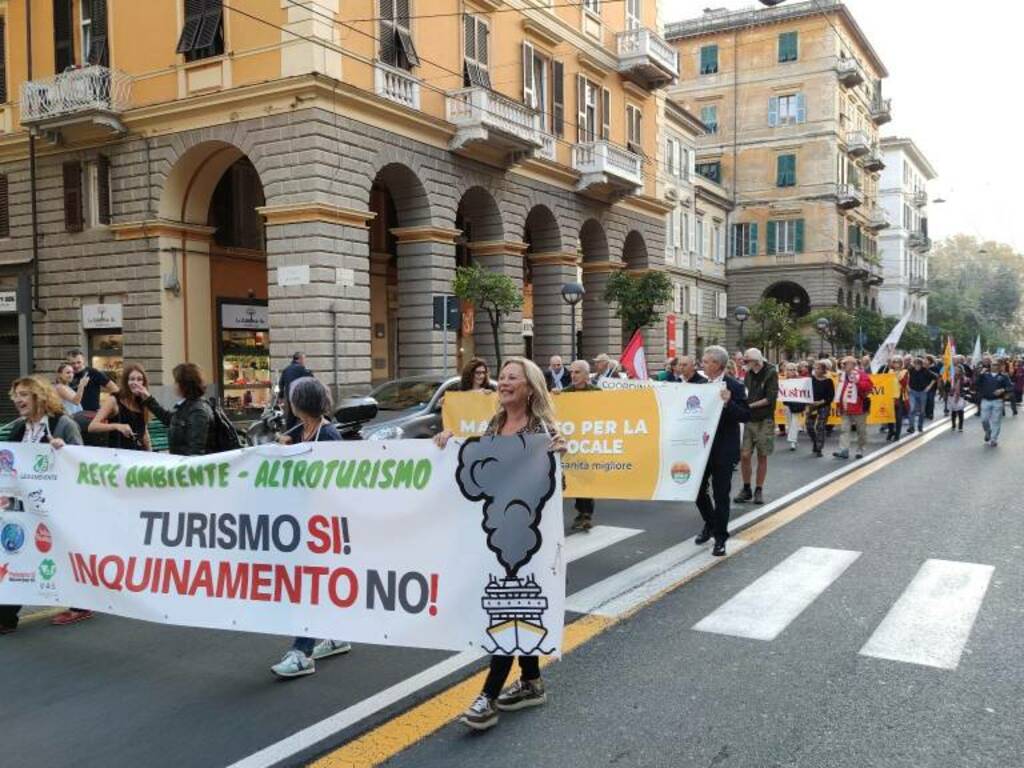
point(321, 254)
point(426, 268)
point(506, 258)
point(602, 330)
point(552, 323)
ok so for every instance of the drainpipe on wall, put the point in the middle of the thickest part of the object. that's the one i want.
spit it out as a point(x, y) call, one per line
point(336, 308)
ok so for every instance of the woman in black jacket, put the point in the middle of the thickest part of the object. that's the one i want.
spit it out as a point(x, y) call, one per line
point(188, 425)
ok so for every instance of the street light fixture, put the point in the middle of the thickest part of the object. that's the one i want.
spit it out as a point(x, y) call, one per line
point(742, 314)
point(572, 294)
point(822, 325)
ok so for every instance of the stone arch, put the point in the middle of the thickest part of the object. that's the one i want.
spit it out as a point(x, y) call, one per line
point(594, 242)
point(790, 294)
point(634, 250)
point(189, 185)
point(479, 217)
point(602, 330)
point(541, 231)
point(546, 268)
point(408, 195)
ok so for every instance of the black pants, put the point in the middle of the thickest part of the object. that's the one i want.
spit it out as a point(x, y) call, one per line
point(585, 507)
point(817, 420)
point(9, 615)
point(929, 407)
point(502, 665)
point(896, 428)
point(957, 416)
point(717, 479)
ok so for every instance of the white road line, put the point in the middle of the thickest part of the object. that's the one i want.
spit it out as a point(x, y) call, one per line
point(579, 545)
point(765, 608)
point(930, 623)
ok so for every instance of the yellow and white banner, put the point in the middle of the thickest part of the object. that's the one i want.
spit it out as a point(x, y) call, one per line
point(884, 390)
point(646, 443)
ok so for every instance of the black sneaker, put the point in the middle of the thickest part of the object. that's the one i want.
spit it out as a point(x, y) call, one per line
point(522, 694)
point(744, 496)
point(719, 549)
point(481, 714)
point(703, 537)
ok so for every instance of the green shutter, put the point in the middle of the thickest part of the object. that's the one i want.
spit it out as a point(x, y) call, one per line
point(773, 111)
point(788, 46)
point(799, 236)
point(709, 59)
point(785, 174)
point(770, 250)
point(780, 171)
point(753, 240)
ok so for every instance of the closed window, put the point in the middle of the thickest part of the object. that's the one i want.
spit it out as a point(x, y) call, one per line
point(202, 35)
point(3, 60)
point(5, 208)
point(102, 190)
point(699, 227)
point(633, 14)
point(594, 6)
point(711, 171)
point(63, 36)
point(709, 59)
point(709, 116)
point(476, 55)
point(396, 45)
point(672, 157)
point(592, 108)
point(785, 172)
point(634, 130)
point(558, 98)
point(787, 47)
point(73, 218)
point(785, 236)
point(744, 240)
point(94, 32)
point(787, 110)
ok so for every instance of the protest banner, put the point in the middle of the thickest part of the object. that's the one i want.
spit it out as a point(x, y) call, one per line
point(650, 442)
point(883, 399)
point(796, 390)
point(395, 543)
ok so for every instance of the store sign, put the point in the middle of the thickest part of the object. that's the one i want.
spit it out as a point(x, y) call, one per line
point(251, 317)
point(100, 316)
point(8, 301)
point(298, 275)
point(670, 334)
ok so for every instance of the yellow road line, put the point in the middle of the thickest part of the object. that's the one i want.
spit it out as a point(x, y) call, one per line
point(43, 615)
point(405, 730)
point(400, 733)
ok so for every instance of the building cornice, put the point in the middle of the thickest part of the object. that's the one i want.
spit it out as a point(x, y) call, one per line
point(301, 213)
point(558, 258)
point(139, 230)
point(496, 247)
point(426, 234)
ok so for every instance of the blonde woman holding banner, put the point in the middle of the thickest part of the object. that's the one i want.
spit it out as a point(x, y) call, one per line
point(524, 407)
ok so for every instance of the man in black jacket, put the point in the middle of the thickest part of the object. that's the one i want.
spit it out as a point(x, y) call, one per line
point(557, 375)
point(295, 370)
point(725, 452)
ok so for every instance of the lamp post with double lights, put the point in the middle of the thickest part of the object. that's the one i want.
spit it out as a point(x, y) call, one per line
point(822, 325)
point(572, 294)
point(742, 314)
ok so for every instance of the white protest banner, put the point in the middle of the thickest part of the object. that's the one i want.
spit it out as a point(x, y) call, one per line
point(796, 390)
point(395, 543)
point(649, 442)
point(881, 357)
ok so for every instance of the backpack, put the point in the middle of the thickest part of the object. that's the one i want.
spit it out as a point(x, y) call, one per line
point(222, 436)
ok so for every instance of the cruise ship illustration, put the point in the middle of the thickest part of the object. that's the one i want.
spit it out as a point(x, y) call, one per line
point(516, 607)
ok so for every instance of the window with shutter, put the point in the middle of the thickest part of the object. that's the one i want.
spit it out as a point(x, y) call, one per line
point(3, 60)
point(773, 111)
point(680, 228)
point(388, 39)
point(202, 34)
point(752, 247)
point(475, 72)
point(801, 108)
point(529, 92)
point(558, 98)
point(670, 235)
point(606, 113)
point(63, 45)
point(73, 196)
point(798, 235)
point(709, 116)
point(785, 171)
point(103, 189)
point(633, 129)
point(408, 57)
point(633, 14)
point(96, 48)
point(581, 110)
point(5, 210)
point(771, 236)
point(709, 59)
point(787, 47)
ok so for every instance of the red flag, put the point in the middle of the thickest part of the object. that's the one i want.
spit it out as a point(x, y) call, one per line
point(634, 359)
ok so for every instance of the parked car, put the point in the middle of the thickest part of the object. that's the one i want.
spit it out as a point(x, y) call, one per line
point(409, 407)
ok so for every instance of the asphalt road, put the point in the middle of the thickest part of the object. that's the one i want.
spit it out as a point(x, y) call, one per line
point(115, 692)
point(867, 673)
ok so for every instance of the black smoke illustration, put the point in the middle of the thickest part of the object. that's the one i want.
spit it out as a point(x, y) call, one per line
point(514, 476)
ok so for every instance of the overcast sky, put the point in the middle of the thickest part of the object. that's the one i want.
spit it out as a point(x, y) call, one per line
point(956, 75)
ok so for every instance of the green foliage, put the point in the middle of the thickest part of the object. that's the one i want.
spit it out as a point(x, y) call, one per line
point(916, 338)
point(873, 325)
point(772, 327)
point(493, 292)
point(842, 327)
point(638, 299)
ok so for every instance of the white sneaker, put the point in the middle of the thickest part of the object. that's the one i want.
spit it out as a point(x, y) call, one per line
point(294, 664)
point(326, 648)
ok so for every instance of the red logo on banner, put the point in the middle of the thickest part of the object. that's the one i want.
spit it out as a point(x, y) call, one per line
point(44, 542)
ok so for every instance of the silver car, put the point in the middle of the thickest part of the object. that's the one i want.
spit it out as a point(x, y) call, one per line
point(409, 407)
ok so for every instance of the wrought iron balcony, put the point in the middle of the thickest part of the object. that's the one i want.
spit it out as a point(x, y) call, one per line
point(646, 58)
point(93, 95)
point(881, 111)
point(919, 241)
point(848, 196)
point(607, 170)
point(919, 285)
point(879, 220)
point(920, 198)
point(396, 85)
point(850, 73)
point(857, 143)
point(874, 160)
point(488, 121)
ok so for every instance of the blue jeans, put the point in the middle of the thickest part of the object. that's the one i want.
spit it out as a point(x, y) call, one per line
point(992, 418)
point(304, 644)
point(918, 402)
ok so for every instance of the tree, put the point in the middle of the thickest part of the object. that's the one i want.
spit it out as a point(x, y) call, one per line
point(773, 326)
point(493, 292)
point(874, 327)
point(841, 327)
point(915, 338)
point(638, 299)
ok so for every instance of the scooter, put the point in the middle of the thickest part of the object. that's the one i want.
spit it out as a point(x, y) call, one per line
point(349, 417)
point(267, 427)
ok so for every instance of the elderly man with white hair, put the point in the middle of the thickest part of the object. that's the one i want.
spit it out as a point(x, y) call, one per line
point(579, 372)
point(762, 381)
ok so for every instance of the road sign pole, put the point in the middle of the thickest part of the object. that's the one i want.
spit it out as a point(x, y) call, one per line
point(444, 326)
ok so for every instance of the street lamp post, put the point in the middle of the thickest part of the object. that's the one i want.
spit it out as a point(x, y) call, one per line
point(822, 325)
point(572, 294)
point(742, 314)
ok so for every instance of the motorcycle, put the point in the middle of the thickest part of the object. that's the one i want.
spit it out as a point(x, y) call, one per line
point(267, 427)
point(349, 417)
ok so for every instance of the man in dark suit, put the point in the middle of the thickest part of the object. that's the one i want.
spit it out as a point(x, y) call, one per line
point(725, 452)
point(295, 370)
point(557, 375)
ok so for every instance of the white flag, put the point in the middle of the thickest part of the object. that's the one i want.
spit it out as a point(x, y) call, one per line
point(976, 355)
point(885, 351)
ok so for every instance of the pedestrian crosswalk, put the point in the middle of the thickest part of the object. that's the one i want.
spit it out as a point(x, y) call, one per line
point(929, 625)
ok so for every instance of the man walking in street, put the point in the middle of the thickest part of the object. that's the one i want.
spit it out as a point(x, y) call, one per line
point(991, 386)
point(725, 449)
point(96, 382)
point(762, 382)
point(686, 371)
point(851, 394)
point(579, 372)
point(935, 366)
point(922, 381)
point(557, 375)
point(295, 370)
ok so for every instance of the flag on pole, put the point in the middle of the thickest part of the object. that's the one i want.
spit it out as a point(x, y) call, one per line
point(948, 373)
point(634, 359)
point(976, 355)
point(881, 358)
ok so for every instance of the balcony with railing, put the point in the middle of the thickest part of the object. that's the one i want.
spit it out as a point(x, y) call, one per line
point(850, 73)
point(645, 57)
point(874, 161)
point(489, 123)
point(878, 220)
point(548, 147)
point(881, 111)
point(857, 143)
point(920, 198)
point(396, 85)
point(919, 241)
point(607, 170)
point(91, 96)
point(919, 285)
point(848, 196)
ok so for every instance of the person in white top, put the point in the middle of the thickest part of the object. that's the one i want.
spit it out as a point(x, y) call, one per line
point(71, 397)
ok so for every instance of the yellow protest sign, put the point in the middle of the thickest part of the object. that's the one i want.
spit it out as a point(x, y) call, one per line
point(883, 395)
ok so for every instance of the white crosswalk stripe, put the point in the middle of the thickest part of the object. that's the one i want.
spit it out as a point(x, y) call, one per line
point(931, 621)
point(579, 545)
point(765, 608)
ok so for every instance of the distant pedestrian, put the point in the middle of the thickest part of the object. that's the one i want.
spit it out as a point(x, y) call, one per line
point(124, 416)
point(956, 403)
point(189, 424)
point(716, 483)
point(669, 373)
point(794, 411)
point(580, 372)
point(96, 382)
point(71, 398)
point(557, 375)
point(295, 370)
point(475, 377)
point(935, 366)
point(824, 392)
point(922, 381)
point(762, 382)
point(686, 371)
point(901, 403)
point(851, 396)
point(992, 384)
point(311, 403)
